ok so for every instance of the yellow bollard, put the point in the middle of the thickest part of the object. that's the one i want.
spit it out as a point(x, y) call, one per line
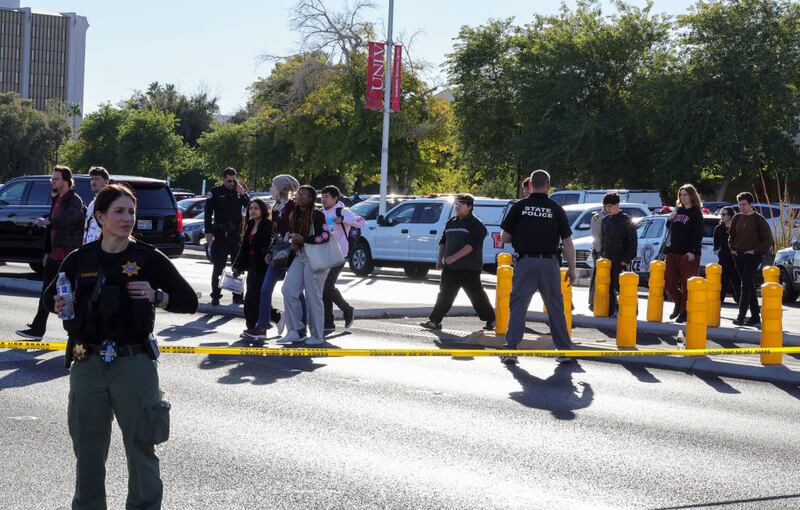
point(696, 325)
point(602, 287)
point(713, 302)
point(502, 304)
point(771, 321)
point(628, 303)
point(566, 293)
point(504, 259)
point(655, 298)
point(771, 274)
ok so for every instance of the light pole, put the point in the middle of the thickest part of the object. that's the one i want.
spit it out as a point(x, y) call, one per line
point(387, 109)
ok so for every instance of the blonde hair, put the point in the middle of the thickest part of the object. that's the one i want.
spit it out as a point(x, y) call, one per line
point(286, 183)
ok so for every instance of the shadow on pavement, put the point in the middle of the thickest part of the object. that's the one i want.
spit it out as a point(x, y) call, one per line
point(791, 390)
point(29, 369)
point(205, 323)
point(718, 384)
point(557, 394)
point(258, 370)
point(641, 373)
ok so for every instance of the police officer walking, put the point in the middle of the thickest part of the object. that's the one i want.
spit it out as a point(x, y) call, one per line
point(224, 227)
point(534, 226)
point(118, 282)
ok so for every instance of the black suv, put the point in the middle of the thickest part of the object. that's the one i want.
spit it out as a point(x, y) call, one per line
point(23, 199)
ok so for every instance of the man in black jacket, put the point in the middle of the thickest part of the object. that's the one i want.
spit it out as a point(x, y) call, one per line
point(619, 244)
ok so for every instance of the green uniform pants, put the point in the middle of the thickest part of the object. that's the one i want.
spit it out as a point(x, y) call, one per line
point(128, 388)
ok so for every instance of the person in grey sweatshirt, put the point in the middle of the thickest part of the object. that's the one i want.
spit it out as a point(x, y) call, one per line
point(597, 247)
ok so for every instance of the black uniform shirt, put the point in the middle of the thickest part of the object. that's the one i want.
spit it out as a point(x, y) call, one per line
point(224, 206)
point(459, 233)
point(537, 225)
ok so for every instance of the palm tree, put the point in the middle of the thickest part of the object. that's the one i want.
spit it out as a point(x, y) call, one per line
point(74, 112)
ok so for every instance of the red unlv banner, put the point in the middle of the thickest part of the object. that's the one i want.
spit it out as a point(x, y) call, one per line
point(397, 69)
point(375, 75)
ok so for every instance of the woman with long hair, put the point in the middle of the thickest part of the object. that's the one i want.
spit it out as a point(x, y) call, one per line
point(282, 188)
point(684, 248)
point(256, 236)
point(307, 226)
point(730, 276)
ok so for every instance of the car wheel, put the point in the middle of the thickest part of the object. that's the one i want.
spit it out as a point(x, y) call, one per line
point(416, 273)
point(36, 267)
point(789, 293)
point(208, 252)
point(361, 262)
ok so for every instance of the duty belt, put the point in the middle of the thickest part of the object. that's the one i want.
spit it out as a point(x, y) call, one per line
point(121, 350)
point(537, 255)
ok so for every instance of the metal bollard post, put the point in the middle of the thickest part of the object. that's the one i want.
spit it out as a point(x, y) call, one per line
point(602, 287)
point(655, 297)
point(504, 259)
point(771, 321)
point(696, 325)
point(566, 293)
point(713, 302)
point(502, 305)
point(628, 303)
point(771, 274)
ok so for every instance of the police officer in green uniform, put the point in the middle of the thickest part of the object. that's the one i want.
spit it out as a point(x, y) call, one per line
point(223, 226)
point(111, 352)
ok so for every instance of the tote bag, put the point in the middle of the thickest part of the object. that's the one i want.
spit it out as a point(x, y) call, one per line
point(326, 255)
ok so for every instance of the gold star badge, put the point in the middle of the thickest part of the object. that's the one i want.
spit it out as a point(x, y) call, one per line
point(130, 268)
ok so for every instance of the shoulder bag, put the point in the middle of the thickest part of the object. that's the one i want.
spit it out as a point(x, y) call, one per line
point(324, 256)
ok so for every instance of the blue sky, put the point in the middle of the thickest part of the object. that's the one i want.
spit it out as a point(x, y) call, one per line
point(214, 46)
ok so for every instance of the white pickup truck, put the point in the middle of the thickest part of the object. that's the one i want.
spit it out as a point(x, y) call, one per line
point(408, 236)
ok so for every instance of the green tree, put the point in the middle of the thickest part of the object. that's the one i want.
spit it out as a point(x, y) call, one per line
point(29, 138)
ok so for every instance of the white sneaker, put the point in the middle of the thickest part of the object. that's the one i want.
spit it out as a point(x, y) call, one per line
point(312, 340)
point(281, 325)
point(290, 338)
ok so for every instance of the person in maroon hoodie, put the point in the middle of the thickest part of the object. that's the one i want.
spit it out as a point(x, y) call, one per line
point(684, 248)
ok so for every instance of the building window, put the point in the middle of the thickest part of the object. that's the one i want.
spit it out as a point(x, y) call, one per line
point(62, 56)
point(49, 32)
point(32, 75)
point(17, 53)
point(61, 81)
point(33, 31)
point(2, 27)
point(2, 51)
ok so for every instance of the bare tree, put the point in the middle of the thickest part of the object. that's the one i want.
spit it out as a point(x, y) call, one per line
point(340, 34)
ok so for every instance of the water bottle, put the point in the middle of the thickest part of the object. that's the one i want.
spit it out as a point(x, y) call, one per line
point(681, 340)
point(64, 289)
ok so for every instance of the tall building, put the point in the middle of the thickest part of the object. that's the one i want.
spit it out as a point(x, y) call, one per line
point(42, 54)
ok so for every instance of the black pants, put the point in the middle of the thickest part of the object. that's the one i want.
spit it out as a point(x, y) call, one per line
point(331, 295)
point(226, 244)
point(747, 266)
point(730, 279)
point(252, 298)
point(49, 273)
point(452, 281)
point(591, 282)
point(613, 289)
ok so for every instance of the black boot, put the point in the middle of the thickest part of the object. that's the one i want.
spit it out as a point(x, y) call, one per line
point(675, 311)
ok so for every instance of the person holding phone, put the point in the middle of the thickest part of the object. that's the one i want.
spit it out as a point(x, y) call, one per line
point(223, 227)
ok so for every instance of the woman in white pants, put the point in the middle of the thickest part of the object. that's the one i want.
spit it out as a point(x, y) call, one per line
point(307, 225)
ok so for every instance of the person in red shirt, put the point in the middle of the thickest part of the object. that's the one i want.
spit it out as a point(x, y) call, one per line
point(63, 233)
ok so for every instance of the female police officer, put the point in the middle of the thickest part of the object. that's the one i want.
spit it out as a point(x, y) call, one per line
point(118, 283)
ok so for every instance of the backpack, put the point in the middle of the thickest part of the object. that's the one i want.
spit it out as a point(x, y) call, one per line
point(352, 235)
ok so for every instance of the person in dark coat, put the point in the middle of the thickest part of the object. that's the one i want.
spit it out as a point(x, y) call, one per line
point(730, 277)
point(619, 244)
point(252, 260)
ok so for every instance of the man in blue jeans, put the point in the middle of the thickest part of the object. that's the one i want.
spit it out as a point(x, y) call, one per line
point(534, 226)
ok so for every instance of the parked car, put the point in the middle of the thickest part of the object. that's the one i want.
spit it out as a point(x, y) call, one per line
point(23, 199)
point(652, 234)
point(191, 207)
point(714, 207)
point(368, 209)
point(580, 215)
point(408, 236)
point(788, 261)
point(772, 212)
point(652, 198)
point(181, 194)
point(194, 229)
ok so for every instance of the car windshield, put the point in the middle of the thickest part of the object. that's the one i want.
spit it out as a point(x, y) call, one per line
point(572, 216)
point(153, 198)
point(367, 210)
point(185, 204)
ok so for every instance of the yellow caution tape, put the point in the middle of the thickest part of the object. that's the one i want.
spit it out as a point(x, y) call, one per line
point(326, 352)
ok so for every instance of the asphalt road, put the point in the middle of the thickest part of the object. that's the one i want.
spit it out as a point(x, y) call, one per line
point(413, 432)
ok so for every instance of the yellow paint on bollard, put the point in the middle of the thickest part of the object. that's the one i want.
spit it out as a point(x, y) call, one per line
point(602, 287)
point(771, 274)
point(771, 321)
point(628, 303)
point(502, 305)
point(504, 259)
point(713, 302)
point(696, 325)
point(655, 297)
point(566, 293)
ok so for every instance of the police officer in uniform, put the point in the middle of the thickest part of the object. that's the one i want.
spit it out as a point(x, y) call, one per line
point(111, 352)
point(224, 227)
point(534, 226)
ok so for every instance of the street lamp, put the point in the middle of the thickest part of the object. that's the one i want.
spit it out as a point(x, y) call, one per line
point(387, 108)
